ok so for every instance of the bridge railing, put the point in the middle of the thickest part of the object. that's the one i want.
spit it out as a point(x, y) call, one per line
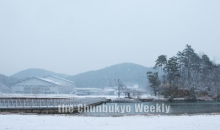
point(46, 102)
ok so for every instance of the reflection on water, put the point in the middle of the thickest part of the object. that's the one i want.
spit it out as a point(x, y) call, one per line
point(157, 108)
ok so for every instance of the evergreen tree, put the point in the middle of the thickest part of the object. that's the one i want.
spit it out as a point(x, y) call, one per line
point(161, 63)
point(172, 70)
point(154, 81)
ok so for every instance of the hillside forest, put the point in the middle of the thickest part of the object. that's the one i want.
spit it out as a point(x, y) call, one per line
point(186, 75)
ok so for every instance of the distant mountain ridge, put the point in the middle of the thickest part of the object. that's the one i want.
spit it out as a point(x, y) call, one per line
point(5, 82)
point(129, 73)
point(35, 72)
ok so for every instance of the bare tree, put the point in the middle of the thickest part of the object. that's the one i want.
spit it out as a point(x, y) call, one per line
point(120, 86)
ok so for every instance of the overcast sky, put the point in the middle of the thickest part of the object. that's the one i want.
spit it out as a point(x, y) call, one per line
point(76, 36)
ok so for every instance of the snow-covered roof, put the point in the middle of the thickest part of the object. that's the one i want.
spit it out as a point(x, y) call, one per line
point(58, 78)
point(42, 79)
point(51, 81)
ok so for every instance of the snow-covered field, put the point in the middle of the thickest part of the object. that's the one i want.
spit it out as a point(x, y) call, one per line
point(64, 122)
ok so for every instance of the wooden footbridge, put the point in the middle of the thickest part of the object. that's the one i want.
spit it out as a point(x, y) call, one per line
point(44, 105)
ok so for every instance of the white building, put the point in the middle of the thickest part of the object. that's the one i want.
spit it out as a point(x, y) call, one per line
point(94, 91)
point(60, 80)
point(46, 85)
point(88, 91)
point(67, 85)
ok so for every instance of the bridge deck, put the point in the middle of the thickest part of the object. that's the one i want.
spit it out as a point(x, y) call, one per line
point(34, 103)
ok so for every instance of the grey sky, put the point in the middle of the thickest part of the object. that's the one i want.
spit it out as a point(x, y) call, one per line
point(77, 36)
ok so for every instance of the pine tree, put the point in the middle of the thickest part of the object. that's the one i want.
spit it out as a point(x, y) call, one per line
point(154, 81)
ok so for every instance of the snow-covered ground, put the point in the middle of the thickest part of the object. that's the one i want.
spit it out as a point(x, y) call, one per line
point(64, 122)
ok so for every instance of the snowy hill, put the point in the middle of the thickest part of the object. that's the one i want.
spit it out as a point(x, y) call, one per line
point(129, 73)
point(34, 72)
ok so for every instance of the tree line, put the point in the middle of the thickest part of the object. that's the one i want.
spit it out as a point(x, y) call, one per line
point(187, 74)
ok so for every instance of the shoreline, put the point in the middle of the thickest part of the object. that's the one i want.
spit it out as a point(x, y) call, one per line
point(116, 115)
point(127, 100)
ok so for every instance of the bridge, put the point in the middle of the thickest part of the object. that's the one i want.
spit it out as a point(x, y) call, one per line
point(44, 105)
